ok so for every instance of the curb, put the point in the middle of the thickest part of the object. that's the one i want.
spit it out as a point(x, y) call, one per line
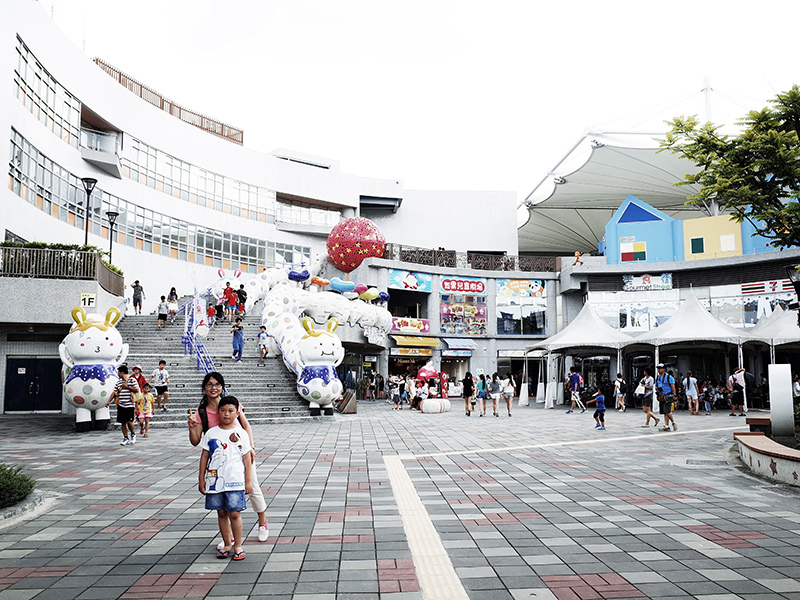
point(21, 509)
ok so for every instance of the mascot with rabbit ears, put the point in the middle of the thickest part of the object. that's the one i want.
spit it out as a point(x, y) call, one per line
point(319, 353)
point(91, 353)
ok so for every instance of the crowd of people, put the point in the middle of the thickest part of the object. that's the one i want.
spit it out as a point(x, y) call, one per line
point(135, 401)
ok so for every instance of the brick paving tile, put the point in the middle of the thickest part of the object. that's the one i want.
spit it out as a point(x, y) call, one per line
point(508, 505)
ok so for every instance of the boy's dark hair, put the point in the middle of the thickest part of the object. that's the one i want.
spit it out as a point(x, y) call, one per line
point(162, 362)
point(263, 327)
point(146, 385)
point(163, 297)
point(238, 319)
point(232, 400)
point(123, 369)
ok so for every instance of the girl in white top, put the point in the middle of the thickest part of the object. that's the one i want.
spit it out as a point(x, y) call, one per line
point(692, 394)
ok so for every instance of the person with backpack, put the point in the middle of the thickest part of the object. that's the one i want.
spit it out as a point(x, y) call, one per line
point(620, 391)
point(205, 417)
point(665, 394)
point(574, 385)
point(736, 386)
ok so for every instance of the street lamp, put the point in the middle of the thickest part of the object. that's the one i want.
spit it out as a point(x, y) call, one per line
point(88, 185)
point(112, 218)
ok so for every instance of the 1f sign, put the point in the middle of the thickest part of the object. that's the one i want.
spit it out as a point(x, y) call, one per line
point(88, 300)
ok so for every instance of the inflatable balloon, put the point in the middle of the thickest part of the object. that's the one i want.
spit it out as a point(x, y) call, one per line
point(370, 294)
point(299, 275)
point(384, 296)
point(319, 281)
point(352, 240)
point(342, 286)
point(91, 353)
point(427, 371)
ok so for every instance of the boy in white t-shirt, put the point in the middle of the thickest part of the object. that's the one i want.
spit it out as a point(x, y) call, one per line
point(262, 343)
point(225, 474)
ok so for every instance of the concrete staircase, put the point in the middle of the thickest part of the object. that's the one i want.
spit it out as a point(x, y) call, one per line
point(266, 388)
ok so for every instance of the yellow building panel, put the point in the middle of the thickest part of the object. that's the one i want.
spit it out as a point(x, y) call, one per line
point(717, 233)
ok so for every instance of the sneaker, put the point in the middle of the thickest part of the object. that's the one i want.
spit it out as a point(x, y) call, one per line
point(238, 362)
point(601, 428)
point(674, 427)
point(164, 408)
point(584, 410)
point(665, 428)
point(133, 438)
point(569, 411)
point(234, 358)
point(263, 533)
point(125, 442)
point(597, 426)
point(221, 546)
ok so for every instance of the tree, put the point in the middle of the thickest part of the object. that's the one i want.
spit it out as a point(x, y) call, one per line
point(755, 175)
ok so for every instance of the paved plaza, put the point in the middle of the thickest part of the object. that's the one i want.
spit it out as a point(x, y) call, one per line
point(399, 505)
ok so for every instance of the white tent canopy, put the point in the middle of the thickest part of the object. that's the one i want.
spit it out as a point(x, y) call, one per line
point(780, 328)
point(587, 330)
point(691, 322)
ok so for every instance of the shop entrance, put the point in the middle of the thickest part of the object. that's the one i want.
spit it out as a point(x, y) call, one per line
point(516, 366)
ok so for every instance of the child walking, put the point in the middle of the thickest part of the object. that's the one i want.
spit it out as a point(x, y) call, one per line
point(144, 410)
point(262, 343)
point(225, 466)
point(600, 413)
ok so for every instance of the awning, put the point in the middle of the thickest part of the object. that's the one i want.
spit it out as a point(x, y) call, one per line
point(455, 344)
point(416, 340)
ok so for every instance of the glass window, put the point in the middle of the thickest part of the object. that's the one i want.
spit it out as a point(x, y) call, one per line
point(697, 246)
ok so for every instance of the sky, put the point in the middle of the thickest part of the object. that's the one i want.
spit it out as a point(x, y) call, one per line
point(443, 94)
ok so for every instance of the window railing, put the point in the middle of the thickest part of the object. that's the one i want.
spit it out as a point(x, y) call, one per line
point(100, 141)
point(470, 260)
point(59, 264)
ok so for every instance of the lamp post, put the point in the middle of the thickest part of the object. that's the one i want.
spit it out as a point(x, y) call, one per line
point(112, 218)
point(88, 185)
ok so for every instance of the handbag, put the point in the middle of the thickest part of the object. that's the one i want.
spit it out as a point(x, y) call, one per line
point(640, 390)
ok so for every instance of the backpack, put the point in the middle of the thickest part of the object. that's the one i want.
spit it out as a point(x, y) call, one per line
point(580, 380)
point(623, 387)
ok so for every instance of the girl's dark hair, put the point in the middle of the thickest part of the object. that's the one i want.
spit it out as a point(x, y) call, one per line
point(494, 376)
point(483, 377)
point(213, 374)
point(468, 375)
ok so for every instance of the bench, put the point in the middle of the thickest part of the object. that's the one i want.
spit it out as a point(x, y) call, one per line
point(760, 424)
point(766, 457)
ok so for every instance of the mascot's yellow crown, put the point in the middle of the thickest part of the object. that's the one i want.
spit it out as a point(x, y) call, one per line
point(81, 324)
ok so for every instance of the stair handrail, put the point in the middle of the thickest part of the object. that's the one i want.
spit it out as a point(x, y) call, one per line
point(205, 292)
point(193, 344)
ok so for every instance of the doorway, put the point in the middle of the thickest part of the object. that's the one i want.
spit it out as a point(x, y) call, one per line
point(33, 385)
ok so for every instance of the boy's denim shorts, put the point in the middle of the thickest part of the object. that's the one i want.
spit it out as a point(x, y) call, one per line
point(230, 501)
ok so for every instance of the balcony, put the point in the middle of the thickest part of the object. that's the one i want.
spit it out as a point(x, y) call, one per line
point(46, 263)
point(470, 260)
point(101, 149)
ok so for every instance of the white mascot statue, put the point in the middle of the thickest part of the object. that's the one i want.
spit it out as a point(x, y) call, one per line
point(91, 353)
point(320, 352)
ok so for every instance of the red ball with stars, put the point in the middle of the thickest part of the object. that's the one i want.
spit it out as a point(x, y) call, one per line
point(353, 240)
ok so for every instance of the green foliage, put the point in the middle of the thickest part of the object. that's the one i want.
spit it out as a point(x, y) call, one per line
point(14, 485)
point(67, 247)
point(755, 175)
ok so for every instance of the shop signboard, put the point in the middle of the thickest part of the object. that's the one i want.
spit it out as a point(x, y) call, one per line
point(526, 288)
point(462, 353)
point(375, 335)
point(768, 287)
point(411, 351)
point(462, 285)
point(461, 317)
point(410, 326)
point(639, 283)
point(410, 280)
point(511, 354)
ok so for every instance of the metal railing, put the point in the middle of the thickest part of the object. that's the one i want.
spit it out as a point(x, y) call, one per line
point(193, 344)
point(49, 263)
point(232, 134)
point(470, 260)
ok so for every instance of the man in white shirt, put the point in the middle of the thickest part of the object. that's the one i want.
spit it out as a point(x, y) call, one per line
point(692, 395)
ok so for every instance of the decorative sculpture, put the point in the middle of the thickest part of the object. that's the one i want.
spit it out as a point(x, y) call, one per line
point(91, 353)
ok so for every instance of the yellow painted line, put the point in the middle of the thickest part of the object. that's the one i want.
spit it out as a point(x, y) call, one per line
point(435, 572)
